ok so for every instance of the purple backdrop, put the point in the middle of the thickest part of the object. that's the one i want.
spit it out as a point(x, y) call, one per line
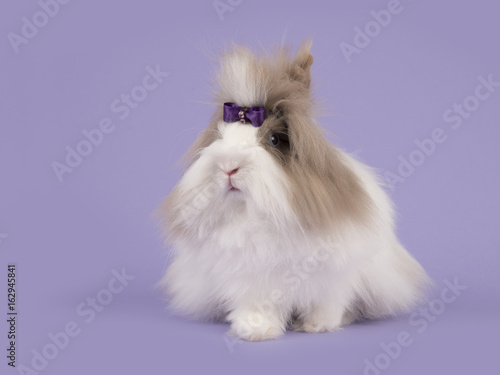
point(412, 87)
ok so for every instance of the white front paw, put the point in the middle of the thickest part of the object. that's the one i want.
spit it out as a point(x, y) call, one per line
point(255, 327)
point(315, 327)
point(319, 320)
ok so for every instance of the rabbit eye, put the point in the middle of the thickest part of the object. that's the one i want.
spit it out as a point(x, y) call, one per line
point(274, 140)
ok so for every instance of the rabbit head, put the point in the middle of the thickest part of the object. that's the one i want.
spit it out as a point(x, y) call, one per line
point(282, 170)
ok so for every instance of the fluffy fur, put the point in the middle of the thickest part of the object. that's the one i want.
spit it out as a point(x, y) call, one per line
point(296, 236)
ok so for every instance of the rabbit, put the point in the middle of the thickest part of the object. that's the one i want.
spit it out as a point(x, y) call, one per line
point(271, 226)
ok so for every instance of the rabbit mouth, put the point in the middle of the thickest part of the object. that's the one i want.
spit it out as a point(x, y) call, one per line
point(231, 189)
point(231, 186)
point(233, 195)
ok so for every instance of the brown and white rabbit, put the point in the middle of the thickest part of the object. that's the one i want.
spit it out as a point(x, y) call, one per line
point(272, 227)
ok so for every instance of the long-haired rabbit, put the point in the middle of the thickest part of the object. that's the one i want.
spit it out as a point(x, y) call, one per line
point(272, 227)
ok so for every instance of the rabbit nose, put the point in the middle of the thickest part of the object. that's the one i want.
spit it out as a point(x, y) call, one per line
point(231, 172)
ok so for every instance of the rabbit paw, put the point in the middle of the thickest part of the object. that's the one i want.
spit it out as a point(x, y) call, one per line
point(255, 327)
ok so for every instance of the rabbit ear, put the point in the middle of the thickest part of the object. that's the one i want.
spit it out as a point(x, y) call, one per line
point(301, 65)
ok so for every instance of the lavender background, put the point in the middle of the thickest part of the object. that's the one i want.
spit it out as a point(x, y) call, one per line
point(67, 237)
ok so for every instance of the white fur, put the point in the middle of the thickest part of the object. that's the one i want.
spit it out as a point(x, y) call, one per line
point(241, 79)
point(247, 259)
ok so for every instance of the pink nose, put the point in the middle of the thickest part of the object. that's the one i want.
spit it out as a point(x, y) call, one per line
point(232, 172)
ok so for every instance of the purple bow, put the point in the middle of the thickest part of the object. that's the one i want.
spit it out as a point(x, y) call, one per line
point(254, 115)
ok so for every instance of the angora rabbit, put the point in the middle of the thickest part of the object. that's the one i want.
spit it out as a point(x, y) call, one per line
point(272, 227)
